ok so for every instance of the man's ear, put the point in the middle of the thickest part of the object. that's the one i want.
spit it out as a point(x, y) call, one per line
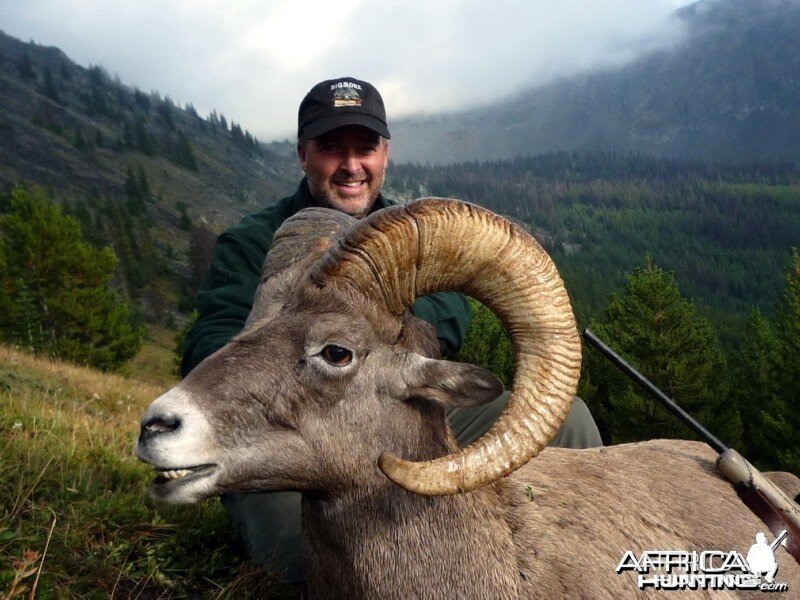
point(301, 154)
point(451, 384)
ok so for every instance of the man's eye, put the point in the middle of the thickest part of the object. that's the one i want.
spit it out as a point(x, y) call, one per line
point(336, 355)
point(329, 148)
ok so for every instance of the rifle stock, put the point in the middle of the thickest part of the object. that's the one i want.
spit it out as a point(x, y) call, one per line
point(767, 500)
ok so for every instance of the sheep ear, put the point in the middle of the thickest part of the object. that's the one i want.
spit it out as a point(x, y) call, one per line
point(453, 384)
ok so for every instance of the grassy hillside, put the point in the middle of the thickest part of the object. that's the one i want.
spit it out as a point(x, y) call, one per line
point(155, 361)
point(74, 510)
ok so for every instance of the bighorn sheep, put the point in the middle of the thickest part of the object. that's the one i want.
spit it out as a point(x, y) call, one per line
point(334, 389)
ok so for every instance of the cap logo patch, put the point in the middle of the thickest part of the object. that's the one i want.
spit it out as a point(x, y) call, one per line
point(345, 93)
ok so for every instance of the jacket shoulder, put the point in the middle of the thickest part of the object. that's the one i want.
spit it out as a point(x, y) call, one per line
point(258, 228)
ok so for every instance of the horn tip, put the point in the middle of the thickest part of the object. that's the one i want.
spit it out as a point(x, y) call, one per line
point(391, 466)
point(415, 477)
point(388, 462)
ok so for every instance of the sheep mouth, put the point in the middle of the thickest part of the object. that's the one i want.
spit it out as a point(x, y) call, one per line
point(165, 477)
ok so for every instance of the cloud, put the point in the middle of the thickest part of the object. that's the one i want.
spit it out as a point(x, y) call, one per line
point(253, 61)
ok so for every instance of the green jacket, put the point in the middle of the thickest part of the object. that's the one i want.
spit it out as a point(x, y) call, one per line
point(226, 296)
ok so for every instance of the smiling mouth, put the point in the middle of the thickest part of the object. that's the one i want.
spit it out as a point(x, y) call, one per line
point(167, 476)
point(350, 184)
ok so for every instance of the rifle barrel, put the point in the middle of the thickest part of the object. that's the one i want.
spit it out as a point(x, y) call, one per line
point(650, 388)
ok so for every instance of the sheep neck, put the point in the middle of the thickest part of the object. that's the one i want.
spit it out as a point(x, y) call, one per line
point(382, 541)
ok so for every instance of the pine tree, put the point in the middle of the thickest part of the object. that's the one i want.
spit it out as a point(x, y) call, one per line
point(63, 71)
point(79, 142)
point(97, 102)
point(184, 155)
point(131, 185)
point(165, 112)
point(133, 194)
point(98, 76)
point(67, 281)
point(81, 212)
point(651, 325)
point(141, 100)
point(27, 319)
point(126, 247)
point(25, 67)
point(757, 390)
point(127, 134)
point(50, 88)
point(143, 184)
point(5, 278)
point(487, 345)
point(185, 220)
point(213, 119)
point(143, 141)
point(787, 326)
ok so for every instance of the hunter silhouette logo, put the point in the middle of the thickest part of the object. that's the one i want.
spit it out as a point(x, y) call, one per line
point(708, 569)
point(761, 557)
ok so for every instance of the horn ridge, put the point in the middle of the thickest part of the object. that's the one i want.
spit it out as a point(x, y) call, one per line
point(441, 245)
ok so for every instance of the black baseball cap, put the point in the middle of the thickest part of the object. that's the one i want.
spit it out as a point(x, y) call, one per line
point(337, 102)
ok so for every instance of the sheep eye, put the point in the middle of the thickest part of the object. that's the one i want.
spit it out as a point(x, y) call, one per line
point(336, 355)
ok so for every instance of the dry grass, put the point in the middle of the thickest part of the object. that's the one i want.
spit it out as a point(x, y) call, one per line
point(155, 362)
point(75, 518)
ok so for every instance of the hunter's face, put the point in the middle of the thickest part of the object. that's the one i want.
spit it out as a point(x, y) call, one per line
point(345, 168)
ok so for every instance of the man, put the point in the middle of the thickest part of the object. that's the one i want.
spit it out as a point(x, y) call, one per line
point(343, 148)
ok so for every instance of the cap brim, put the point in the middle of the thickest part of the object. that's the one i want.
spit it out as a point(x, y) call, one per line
point(323, 126)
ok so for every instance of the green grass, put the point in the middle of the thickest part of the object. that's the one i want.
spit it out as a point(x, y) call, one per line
point(155, 361)
point(74, 509)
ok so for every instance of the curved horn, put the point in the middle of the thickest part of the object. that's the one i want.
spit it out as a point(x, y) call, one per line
point(433, 245)
point(307, 232)
point(302, 237)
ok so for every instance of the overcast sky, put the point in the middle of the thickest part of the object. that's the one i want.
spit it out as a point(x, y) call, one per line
point(253, 60)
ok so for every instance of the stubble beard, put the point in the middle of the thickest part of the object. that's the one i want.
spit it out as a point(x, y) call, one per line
point(326, 198)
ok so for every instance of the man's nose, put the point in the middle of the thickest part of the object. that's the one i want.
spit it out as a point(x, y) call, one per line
point(350, 162)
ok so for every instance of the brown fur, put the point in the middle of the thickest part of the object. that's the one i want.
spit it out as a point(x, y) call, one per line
point(589, 506)
point(561, 538)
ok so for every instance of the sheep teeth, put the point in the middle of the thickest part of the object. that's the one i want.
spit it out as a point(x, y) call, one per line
point(175, 474)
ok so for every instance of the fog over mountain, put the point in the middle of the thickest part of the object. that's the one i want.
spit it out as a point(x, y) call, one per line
point(253, 61)
point(731, 90)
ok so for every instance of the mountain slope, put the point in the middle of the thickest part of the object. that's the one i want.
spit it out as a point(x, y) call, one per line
point(48, 101)
point(140, 172)
point(731, 90)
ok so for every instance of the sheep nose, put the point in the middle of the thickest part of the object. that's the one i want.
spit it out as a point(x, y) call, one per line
point(158, 425)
